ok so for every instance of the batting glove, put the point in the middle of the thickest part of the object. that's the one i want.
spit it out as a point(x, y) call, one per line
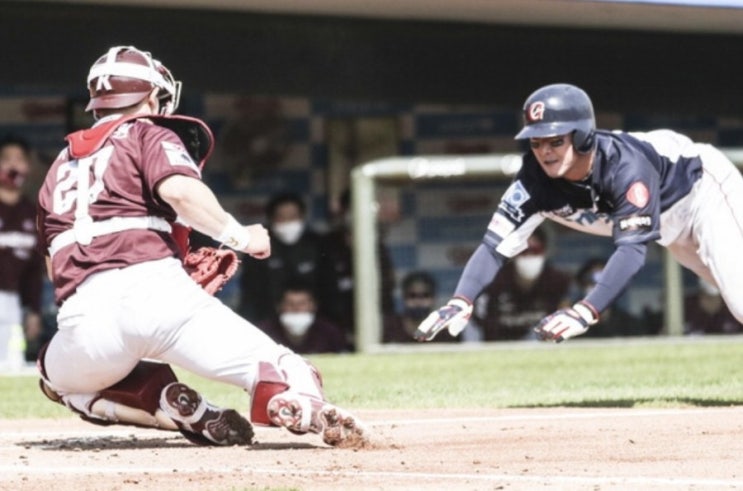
point(567, 323)
point(453, 316)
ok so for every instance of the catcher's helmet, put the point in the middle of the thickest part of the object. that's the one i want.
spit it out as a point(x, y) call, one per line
point(559, 109)
point(125, 76)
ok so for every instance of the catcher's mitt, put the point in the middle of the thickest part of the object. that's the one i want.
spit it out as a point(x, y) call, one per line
point(211, 267)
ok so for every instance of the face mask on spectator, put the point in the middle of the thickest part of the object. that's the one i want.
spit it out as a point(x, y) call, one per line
point(529, 266)
point(12, 178)
point(297, 323)
point(288, 232)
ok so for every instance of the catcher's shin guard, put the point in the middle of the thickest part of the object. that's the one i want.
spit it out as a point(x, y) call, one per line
point(268, 383)
point(132, 401)
point(301, 375)
point(141, 388)
point(292, 371)
point(135, 399)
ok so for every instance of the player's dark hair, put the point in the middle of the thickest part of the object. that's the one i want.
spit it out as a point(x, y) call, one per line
point(419, 277)
point(295, 284)
point(283, 198)
point(15, 140)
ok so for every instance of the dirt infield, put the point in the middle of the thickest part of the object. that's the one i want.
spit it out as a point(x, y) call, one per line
point(516, 449)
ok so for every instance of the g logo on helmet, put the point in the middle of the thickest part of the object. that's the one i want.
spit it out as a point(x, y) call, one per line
point(536, 111)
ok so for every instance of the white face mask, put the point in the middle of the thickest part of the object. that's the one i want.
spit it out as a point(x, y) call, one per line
point(288, 232)
point(529, 267)
point(297, 323)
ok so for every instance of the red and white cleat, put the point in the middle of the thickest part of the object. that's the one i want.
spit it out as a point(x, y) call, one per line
point(302, 414)
point(201, 422)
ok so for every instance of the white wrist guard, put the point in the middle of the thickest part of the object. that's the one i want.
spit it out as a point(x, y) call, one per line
point(233, 235)
point(586, 312)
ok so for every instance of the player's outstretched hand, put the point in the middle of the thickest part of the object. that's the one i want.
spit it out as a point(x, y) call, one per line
point(259, 245)
point(566, 323)
point(453, 316)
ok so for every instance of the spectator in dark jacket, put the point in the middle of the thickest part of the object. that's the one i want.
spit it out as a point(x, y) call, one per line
point(614, 320)
point(338, 249)
point(418, 300)
point(297, 325)
point(296, 253)
point(706, 313)
point(527, 289)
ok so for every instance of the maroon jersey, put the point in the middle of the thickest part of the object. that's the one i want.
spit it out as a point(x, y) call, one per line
point(21, 267)
point(125, 167)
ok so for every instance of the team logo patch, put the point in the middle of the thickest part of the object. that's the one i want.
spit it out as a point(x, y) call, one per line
point(635, 223)
point(177, 155)
point(638, 194)
point(513, 198)
point(536, 111)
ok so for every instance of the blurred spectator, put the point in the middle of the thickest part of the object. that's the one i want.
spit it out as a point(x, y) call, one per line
point(418, 300)
point(297, 325)
point(706, 313)
point(21, 266)
point(338, 249)
point(614, 320)
point(295, 253)
point(527, 289)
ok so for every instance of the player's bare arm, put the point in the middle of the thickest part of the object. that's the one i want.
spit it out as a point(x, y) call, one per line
point(197, 205)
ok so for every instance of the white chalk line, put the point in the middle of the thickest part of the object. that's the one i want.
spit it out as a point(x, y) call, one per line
point(10, 472)
point(609, 414)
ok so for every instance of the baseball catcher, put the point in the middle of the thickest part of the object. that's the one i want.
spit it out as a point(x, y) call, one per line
point(114, 214)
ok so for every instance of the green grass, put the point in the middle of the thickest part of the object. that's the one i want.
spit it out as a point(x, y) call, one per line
point(652, 373)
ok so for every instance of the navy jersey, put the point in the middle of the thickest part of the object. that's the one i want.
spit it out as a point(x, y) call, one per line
point(629, 195)
point(635, 178)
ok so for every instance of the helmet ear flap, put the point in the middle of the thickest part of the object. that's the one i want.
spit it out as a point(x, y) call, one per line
point(559, 109)
point(584, 141)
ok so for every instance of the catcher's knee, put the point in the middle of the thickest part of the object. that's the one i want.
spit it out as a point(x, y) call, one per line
point(291, 371)
point(141, 388)
point(135, 400)
point(302, 375)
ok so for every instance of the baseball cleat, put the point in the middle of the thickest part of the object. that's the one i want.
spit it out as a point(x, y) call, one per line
point(302, 414)
point(201, 422)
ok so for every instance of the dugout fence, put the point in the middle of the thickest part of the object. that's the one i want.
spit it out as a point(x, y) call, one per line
point(366, 180)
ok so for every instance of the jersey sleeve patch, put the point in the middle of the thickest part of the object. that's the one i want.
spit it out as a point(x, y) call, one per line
point(513, 199)
point(177, 155)
point(638, 194)
point(637, 222)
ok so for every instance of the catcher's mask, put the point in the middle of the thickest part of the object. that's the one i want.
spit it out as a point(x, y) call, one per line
point(125, 76)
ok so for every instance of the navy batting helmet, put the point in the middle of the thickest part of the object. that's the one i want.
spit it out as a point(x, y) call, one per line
point(559, 109)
